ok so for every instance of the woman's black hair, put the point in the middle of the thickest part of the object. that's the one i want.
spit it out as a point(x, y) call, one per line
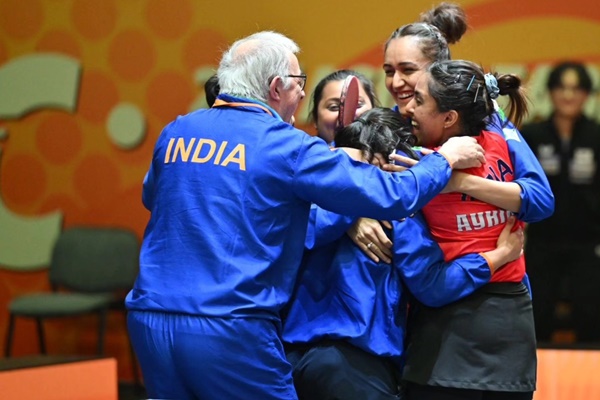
point(464, 87)
point(583, 77)
point(379, 130)
point(442, 25)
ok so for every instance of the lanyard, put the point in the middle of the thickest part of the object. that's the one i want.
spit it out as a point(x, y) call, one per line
point(223, 103)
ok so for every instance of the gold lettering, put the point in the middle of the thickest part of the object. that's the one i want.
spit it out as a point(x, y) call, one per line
point(220, 153)
point(211, 143)
point(180, 148)
point(240, 151)
point(169, 147)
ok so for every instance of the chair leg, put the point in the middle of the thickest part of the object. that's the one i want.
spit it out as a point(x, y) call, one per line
point(9, 335)
point(101, 330)
point(41, 336)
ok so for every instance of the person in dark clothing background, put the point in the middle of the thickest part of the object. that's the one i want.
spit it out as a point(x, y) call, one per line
point(211, 89)
point(563, 251)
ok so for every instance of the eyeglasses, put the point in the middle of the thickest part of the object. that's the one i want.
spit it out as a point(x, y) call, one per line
point(302, 83)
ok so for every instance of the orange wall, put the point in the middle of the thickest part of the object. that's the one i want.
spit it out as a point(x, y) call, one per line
point(86, 87)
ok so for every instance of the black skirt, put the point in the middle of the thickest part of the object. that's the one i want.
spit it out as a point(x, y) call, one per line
point(483, 342)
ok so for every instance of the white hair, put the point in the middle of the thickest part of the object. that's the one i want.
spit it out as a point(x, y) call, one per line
point(249, 65)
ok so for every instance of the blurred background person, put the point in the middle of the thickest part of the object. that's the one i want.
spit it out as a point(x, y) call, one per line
point(563, 251)
point(211, 89)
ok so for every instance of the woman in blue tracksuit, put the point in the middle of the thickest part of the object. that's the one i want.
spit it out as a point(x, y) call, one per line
point(345, 325)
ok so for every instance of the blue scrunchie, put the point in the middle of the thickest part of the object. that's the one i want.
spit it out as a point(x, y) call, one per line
point(491, 84)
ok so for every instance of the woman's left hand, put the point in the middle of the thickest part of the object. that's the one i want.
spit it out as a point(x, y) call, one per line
point(370, 237)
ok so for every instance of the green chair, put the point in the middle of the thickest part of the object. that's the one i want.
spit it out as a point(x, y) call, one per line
point(91, 270)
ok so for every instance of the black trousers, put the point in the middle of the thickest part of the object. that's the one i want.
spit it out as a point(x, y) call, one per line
point(570, 273)
point(335, 370)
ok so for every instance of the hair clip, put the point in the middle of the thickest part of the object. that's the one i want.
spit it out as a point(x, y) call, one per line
point(491, 84)
point(470, 83)
point(476, 93)
point(457, 78)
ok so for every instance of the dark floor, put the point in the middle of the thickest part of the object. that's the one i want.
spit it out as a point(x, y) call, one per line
point(130, 391)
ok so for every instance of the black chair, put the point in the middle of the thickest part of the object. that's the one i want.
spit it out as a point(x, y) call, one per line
point(90, 271)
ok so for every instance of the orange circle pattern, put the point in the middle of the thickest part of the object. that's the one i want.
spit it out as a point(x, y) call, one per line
point(98, 95)
point(59, 138)
point(203, 47)
point(24, 179)
point(132, 55)
point(167, 21)
point(21, 19)
point(169, 94)
point(94, 19)
point(3, 52)
point(97, 180)
point(59, 41)
point(60, 201)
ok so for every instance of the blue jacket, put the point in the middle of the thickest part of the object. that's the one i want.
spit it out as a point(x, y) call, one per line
point(229, 193)
point(343, 294)
point(537, 199)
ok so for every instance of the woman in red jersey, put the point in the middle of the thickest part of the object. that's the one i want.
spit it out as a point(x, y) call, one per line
point(481, 347)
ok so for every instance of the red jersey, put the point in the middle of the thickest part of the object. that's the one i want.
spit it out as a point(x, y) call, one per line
point(462, 224)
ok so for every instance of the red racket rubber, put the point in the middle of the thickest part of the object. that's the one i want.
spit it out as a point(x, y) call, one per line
point(348, 101)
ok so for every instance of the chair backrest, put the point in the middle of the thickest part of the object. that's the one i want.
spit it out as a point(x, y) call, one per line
point(95, 259)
